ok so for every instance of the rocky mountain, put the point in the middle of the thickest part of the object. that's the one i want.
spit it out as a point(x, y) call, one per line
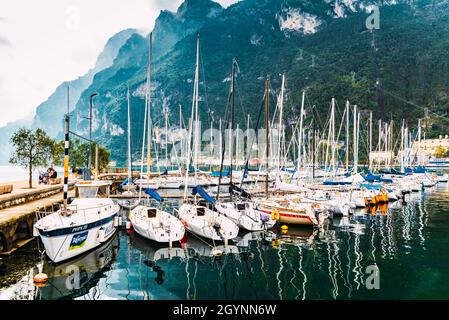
point(323, 46)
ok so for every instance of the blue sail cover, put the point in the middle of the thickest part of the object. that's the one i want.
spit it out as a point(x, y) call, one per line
point(153, 194)
point(373, 187)
point(199, 190)
point(126, 182)
point(217, 173)
point(336, 183)
point(420, 169)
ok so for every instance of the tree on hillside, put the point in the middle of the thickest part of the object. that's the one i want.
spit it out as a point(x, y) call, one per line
point(32, 148)
point(439, 152)
point(79, 154)
point(57, 153)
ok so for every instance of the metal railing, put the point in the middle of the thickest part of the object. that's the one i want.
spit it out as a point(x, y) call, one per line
point(71, 209)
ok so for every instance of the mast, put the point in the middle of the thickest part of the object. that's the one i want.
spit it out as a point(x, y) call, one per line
point(237, 146)
point(355, 140)
point(220, 140)
point(148, 92)
point(231, 145)
point(129, 139)
point(347, 135)
point(145, 121)
point(300, 131)
point(370, 137)
point(66, 156)
point(194, 116)
point(197, 128)
point(166, 138)
point(211, 155)
point(182, 139)
point(267, 132)
point(419, 142)
point(314, 143)
point(280, 123)
point(358, 137)
point(402, 147)
point(333, 135)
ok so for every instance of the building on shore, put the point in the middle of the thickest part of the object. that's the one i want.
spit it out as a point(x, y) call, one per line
point(430, 146)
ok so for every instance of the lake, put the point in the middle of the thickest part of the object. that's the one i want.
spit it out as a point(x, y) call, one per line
point(394, 252)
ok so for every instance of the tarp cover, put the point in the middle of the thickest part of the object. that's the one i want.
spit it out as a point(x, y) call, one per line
point(217, 173)
point(199, 190)
point(153, 194)
point(126, 182)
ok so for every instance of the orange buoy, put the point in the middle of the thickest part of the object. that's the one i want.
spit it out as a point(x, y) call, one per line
point(40, 279)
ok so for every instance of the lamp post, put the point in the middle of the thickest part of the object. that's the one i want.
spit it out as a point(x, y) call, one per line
point(90, 132)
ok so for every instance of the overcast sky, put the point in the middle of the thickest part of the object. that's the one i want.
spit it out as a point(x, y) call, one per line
point(46, 42)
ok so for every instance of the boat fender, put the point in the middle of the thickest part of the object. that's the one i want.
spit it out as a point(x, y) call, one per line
point(101, 235)
point(217, 253)
point(40, 279)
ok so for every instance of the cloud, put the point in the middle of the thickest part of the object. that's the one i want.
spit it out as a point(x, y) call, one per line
point(4, 42)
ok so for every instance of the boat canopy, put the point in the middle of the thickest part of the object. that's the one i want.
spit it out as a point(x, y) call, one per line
point(373, 187)
point(217, 173)
point(126, 182)
point(153, 194)
point(336, 183)
point(199, 190)
point(420, 169)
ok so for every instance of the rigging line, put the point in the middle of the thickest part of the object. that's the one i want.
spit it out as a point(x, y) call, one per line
point(204, 77)
point(224, 138)
point(412, 104)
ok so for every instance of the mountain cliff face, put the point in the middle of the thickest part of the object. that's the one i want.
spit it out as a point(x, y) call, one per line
point(170, 27)
point(323, 46)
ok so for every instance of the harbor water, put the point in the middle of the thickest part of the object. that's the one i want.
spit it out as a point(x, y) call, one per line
point(397, 251)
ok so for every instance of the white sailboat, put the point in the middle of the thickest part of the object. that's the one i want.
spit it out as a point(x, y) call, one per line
point(130, 191)
point(198, 219)
point(150, 222)
point(156, 224)
point(84, 224)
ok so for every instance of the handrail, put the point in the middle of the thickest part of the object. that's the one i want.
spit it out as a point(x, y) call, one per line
point(40, 215)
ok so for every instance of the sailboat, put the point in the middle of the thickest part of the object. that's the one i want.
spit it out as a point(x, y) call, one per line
point(198, 219)
point(242, 212)
point(150, 222)
point(168, 181)
point(156, 224)
point(82, 225)
point(130, 191)
point(148, 180)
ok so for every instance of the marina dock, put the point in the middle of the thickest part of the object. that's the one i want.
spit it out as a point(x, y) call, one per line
point(17, 212)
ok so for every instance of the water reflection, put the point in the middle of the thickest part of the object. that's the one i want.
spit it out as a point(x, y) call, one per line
point(79, 277)
point(294, 263)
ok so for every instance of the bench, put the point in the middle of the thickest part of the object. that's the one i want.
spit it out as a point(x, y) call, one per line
point(7, 188)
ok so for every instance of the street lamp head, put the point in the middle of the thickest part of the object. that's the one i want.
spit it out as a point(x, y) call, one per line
point(93, 95)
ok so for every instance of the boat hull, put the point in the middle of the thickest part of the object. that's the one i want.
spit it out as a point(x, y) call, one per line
point(78, 240)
